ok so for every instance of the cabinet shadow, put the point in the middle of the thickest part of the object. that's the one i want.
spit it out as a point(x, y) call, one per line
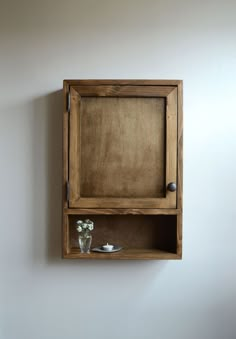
point(47, 172)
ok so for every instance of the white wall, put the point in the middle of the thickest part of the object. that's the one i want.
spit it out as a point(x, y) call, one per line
point(44, 42)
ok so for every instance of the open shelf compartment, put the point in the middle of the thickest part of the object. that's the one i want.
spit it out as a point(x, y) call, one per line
point(140, 236)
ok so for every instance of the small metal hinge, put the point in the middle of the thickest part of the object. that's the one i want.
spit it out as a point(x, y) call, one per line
point(68, 102)
point(67, 191)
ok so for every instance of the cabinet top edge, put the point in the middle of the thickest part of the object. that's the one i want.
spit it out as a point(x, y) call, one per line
point(137, 82)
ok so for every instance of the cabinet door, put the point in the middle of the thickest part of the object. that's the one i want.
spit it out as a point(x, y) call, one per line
point(122, 145)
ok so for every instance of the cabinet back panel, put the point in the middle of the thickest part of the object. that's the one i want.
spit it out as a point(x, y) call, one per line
point(122, 151)
point(129, 231)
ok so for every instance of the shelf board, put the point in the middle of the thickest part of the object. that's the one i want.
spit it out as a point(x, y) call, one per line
point(123, 211)
point(124, 254)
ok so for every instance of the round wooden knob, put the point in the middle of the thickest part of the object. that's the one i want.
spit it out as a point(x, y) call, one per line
point(171, 187)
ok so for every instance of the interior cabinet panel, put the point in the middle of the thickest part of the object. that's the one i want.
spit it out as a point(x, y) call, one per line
point(130, 231)
point(122, 150)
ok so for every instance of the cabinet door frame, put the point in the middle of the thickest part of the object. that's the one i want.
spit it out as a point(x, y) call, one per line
point(120, 88)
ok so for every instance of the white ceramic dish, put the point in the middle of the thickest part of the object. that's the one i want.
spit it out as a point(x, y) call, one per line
point(100, 249)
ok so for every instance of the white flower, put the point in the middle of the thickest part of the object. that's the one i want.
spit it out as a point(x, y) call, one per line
point(90, 227)
point(86, 225)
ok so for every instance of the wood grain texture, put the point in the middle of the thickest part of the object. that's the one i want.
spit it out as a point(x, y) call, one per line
point(123, 91)
point(65, 155)
point(125, 254)
point(122, 147)
point(66, 237)
point(180, 147)
point(179, 234)
point(120, 203)
point(122, 211)
point(148, 227)
point(131, 82)
point(74, 147)
point(65, 143)
point(118, 144)
point(171, 145)
point(180, 171)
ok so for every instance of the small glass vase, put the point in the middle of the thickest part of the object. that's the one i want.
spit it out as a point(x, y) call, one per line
point(85, 240)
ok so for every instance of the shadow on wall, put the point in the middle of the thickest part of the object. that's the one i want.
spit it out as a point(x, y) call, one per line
point(47, 174)
point(55, 142)
point(47, 143)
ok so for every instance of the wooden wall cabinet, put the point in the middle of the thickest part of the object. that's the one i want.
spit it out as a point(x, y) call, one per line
point(123, 166)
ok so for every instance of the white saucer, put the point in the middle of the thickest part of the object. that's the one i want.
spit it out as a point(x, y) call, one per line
point(100, 249)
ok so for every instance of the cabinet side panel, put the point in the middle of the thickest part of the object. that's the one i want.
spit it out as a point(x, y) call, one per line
point(74, 151)
point(180, 170)
point(66, 236)
point(65, 143)
point(180, 146)
point(171, 145)
point(179, 235)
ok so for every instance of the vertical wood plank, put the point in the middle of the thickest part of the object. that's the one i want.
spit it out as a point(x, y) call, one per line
point(180, 146)
point(74, 159)
point(65, 143)
point(65, 222)
point(179, 235)
point(66, 236)
point(171, 145)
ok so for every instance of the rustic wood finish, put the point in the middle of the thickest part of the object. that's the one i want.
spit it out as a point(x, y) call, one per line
point(125, 254)
point(65, 239)
point(180, 146)
point(180, 170)
point(119, 146)
point(171, 145)
point(120, 211)
point(123, 144)
point(122, 150)
point(65, 143)
point(74, 155)
point(123, 202)
point(133, 82)
point(124, 91)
